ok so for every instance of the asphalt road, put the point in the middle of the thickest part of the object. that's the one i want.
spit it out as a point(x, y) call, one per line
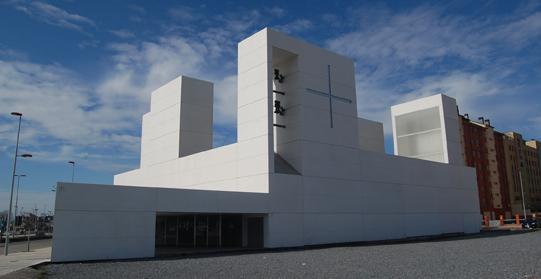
point(21, 246)
point(488, 255)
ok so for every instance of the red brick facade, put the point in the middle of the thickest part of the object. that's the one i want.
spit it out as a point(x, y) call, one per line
point(492, 183)
point(502, 173)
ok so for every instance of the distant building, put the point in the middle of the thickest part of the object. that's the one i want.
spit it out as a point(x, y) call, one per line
point(533, 155)
point(501, 160)
point(483, 148)
point(498, 158)
point(523, 164)
point(535, 144)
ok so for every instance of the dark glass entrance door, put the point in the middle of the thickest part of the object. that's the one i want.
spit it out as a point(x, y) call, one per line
point(186, 231)
point(160, 231)
point(255, 232)
point(171, 231)
point(208, 230)
point(201, 230)
point(213, 231)
point(231, 230)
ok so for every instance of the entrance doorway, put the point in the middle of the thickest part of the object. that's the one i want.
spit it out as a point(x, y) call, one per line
point(208, 231)
point(255, 232)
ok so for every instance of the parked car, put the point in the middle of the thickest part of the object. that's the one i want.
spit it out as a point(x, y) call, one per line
point(529, 224)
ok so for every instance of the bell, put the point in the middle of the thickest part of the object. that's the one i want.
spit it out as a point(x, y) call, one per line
point(278, 76)
point(278, 109)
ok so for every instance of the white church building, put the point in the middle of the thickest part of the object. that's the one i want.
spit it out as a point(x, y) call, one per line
point(305, 169)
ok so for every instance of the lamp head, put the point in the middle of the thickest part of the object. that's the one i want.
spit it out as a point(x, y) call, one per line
point(26, 155)
point(16, 113)
point(72, 162)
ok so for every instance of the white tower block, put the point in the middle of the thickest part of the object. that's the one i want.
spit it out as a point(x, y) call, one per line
point(427, 128)
point(371, 135)
point(179, 122)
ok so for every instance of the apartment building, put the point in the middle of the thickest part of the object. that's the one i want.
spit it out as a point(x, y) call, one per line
point(524, 164)
point(502, 161)
point(483, 149)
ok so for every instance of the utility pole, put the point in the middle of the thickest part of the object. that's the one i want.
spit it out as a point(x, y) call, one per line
point(36, 213)
point(17, 195)
point(522, 191)
point(8, 223)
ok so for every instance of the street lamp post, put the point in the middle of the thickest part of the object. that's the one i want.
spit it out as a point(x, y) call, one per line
point(8, 224)
point(72, 170)
point(522, 192)
point(17, 195)
point(36, 223)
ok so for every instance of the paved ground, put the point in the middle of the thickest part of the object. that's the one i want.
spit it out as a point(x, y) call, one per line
point(17, 261)
point(489, 255)
point(18, 258)
point(20, 246)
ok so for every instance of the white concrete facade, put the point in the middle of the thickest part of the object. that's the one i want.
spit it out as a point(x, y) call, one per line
point(179, 122)
point(305, 170)
point(428, 129)
point(371, 136)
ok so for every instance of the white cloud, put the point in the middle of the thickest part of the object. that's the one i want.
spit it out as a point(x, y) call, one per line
point(63, 120)
point(146, 66)
point(53, 15)
point(520, 32)
point(142, 67)
point(88, 44)
point(183, 14)
point(399, 57)
point(461, 85)
point(97, 123)
point(122, 33)
point(277, 11)
point(411, 38)
point(11, 54)
point(225, 98)
point(424, 51)
point(43, 92)
point(295, 26)
point(535, 121)
point(332, 20)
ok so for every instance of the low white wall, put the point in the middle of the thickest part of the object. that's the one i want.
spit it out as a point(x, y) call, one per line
point(395, 197)
point(118, 222)
point(97, 222)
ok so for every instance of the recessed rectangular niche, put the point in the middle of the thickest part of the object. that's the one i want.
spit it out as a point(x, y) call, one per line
point(419, 135)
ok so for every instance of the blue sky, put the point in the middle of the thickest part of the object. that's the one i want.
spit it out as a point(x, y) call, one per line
point(82, 71)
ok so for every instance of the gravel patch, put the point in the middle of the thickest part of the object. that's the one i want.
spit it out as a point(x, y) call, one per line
point(25, 273)
point(488, 255)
